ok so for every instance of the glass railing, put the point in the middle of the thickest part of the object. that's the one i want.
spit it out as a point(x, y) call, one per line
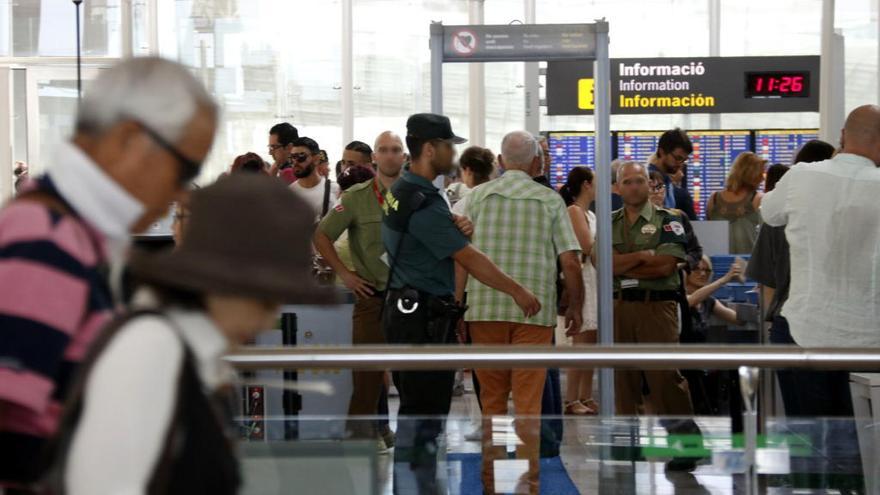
point(590, 455)
point(296, 436)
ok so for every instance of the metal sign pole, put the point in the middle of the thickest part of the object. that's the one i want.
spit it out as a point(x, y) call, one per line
point(532, 82)
point(436, 67)
point(602, 116)
point(437, 82)
point(76, 4)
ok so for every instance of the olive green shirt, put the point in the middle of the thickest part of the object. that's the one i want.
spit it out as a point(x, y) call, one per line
point(360, 212)
point(655, 228)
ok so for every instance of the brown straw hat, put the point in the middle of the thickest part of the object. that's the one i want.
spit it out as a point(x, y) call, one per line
point(248, 235)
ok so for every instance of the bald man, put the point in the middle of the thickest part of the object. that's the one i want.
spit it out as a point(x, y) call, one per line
point(360, 212)
point(830, 213)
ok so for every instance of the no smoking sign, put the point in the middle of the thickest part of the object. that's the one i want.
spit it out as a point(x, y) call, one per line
point(464, 42)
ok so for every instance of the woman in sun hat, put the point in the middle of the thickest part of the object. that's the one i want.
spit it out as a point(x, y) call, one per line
point(146, 415)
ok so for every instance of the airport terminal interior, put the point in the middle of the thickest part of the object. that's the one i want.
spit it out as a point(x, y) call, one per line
point(439, 247)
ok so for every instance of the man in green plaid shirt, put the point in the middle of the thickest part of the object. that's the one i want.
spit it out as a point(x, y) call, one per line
point(523, 227)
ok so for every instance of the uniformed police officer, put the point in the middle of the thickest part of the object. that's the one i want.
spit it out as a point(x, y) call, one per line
point(423, 244)
point(360, 211)
point(648, 242)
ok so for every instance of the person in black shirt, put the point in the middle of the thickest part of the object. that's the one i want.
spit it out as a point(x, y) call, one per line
point(770, 266)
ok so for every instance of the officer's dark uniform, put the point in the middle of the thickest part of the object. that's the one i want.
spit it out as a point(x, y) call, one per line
point(420, 238)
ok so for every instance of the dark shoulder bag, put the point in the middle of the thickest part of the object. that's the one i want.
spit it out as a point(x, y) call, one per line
point(321, 270)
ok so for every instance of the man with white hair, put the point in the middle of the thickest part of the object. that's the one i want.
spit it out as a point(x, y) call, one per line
point(523, 227)
point(142, 131)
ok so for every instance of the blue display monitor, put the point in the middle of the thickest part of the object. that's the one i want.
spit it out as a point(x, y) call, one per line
point(780, 145)
point(709, 164)
point(637, 146)
point(569, 150)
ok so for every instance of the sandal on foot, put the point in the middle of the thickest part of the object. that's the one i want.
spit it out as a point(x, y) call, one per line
point(591, 405)
point(576, 408)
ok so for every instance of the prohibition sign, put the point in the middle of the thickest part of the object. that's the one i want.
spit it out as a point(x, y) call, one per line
point(464, 42)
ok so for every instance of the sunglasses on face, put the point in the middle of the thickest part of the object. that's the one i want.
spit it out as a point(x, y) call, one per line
point(189, 169)
point(299, 157)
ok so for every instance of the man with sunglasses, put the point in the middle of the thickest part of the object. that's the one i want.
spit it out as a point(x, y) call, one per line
point(317, 191)
point(281, 138)
point(142, 131)
point(673, 151)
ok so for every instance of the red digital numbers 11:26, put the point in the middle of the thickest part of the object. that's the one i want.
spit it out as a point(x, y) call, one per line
point(779, 84)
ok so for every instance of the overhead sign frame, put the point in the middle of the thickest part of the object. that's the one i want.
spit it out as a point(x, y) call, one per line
point(549, 42)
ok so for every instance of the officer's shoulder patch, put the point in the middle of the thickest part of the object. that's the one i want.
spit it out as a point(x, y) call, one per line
point(340, 208)
point(675, 227)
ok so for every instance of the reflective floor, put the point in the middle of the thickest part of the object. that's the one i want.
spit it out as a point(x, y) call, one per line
point(613, 456)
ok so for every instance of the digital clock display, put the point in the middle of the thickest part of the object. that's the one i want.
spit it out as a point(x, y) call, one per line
point(777, 84)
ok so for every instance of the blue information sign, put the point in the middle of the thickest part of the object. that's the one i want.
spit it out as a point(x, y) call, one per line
point(569, 150)
point(637, 146)
point(780, 146)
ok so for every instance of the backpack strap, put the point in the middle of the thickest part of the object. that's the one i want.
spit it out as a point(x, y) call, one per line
point(326, 207)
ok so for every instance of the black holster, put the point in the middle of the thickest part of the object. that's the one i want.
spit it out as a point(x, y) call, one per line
point(410, 316)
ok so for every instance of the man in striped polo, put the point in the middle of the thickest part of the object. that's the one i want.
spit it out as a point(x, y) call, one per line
point(142, 131)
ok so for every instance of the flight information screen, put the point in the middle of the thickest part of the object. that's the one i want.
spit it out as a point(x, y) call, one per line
point(569, 150)
point(780, 146)
point(637, 145)
point(708, 166)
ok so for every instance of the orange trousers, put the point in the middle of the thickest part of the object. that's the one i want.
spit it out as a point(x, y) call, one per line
point(527, 386)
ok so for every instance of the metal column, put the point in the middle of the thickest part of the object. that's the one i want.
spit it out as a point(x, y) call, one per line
point(477, 84)
point(532, 81)
point(831, 103)
point(347, 97)
point(602, 116)
point(125, 14)
point(436, 44)
point(6, 133)
point(715, 48)
point(153, 26)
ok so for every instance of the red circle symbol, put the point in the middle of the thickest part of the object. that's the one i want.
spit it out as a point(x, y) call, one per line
point(464, 42)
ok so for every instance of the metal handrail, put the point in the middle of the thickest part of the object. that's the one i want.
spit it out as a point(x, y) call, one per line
point(597, 356)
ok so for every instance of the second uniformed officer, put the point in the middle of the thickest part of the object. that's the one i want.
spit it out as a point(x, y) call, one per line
point(423, 244)
point(648, 242)
point(360, 212)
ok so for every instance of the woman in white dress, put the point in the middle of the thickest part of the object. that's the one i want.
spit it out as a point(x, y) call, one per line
point(578, 193)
